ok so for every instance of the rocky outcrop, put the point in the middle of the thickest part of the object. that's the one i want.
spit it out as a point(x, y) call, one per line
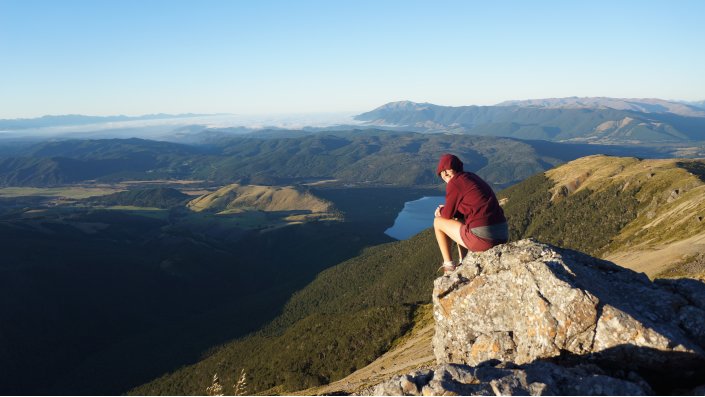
point(539, 378)
point(531, 318)
point(524, 301)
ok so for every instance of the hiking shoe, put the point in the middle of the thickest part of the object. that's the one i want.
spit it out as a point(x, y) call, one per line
point(448, 267)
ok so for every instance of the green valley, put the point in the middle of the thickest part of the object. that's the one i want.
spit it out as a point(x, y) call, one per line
point(560, 206)
point(239, 198)
point(256, 252)
point(164, 285)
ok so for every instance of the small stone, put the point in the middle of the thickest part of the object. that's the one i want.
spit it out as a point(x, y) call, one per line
point(408, 387)
point(389, 388)
point(495, 388)
point(548, 379)
point(537, 389)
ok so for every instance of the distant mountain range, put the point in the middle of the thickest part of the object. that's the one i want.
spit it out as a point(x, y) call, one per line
point(592, 120)
point(573, 119)
point(645, 105)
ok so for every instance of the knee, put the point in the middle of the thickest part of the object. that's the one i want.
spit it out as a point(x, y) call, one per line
point(437, 222)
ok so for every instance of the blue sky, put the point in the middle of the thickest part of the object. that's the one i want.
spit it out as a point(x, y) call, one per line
point(265, 57)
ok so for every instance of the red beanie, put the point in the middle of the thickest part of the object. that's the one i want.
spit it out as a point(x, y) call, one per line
point(449, 162)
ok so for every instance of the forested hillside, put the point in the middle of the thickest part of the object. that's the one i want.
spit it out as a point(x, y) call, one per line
point(359, 157)
point(343, 320)
point(152, 198)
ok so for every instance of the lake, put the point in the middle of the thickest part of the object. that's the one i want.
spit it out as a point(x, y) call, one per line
point(416, 216)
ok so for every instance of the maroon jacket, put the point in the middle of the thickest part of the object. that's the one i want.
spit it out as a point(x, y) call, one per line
point(473, 198)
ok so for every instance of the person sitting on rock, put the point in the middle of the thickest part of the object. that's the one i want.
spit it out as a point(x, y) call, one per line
point(470, 199)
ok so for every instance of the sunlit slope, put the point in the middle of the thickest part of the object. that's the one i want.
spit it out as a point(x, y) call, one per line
point(647, 215)
point(242, 198)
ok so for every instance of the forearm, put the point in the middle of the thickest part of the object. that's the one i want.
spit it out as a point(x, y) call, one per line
point(448, 210)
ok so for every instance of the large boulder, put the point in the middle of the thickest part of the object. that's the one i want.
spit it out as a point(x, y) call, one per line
point(528, 318)
point(527, 301)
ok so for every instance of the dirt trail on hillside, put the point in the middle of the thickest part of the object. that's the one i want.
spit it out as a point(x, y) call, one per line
point(414, 353)
point(653, 261)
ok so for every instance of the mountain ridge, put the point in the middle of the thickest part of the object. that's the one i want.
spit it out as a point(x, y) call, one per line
point(647, 207)
point(562, 124)
point(642, 105)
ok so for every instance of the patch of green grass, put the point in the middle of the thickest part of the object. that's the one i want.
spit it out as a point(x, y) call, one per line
point(69, 192)
point(656, 202)
point(249, 219)
point(151, 212)
point(133, 208)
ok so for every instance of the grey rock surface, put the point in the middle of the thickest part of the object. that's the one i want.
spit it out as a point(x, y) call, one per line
point(540, 378)
point(524, 301)
point(528, 318)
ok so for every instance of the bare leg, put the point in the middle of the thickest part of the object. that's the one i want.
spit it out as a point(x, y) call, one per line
point(462, 251)
point(447, 230)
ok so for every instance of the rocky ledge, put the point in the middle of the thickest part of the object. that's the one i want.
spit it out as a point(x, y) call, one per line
point(531, 318)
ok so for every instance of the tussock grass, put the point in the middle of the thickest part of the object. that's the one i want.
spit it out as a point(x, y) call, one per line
point(691, 267)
